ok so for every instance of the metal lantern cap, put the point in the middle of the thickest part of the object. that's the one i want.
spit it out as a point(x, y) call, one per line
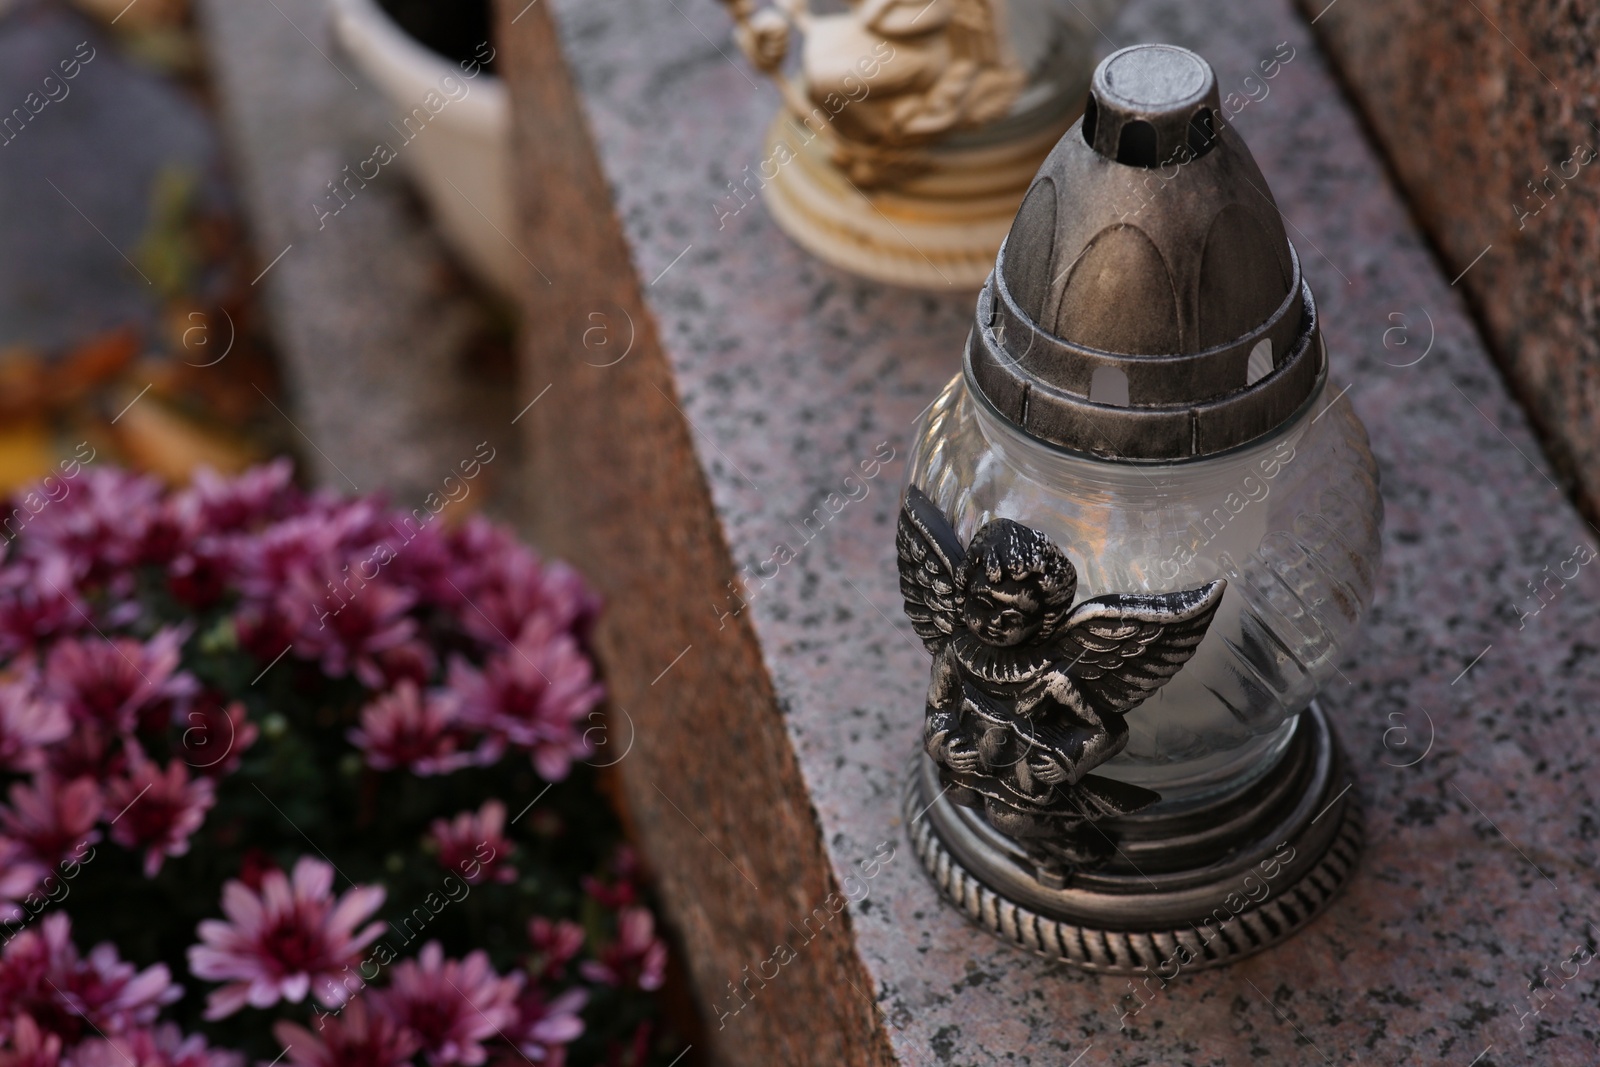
point(1147, 304)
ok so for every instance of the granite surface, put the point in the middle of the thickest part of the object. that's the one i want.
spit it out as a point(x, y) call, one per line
point(1488, 113)
point(1463, 711)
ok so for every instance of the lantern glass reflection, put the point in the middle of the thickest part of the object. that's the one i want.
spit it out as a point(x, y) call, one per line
point(1291, 520)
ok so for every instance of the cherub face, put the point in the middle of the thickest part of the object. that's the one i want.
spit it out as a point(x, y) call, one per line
point(1003, 613)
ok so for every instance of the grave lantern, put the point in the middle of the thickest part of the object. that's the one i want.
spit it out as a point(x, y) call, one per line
point(1139, 532)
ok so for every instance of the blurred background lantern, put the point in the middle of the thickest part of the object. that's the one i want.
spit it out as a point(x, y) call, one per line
point(911, 128)
point(435, 64)
point(1147, 387)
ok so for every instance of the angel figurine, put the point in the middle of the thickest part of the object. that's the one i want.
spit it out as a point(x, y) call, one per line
point(1028, 693)
point(886, 77)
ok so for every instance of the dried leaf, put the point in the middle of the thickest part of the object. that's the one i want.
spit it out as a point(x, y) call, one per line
point(170, 445)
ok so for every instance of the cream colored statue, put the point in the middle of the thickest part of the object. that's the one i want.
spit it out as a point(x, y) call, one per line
point(879, 163)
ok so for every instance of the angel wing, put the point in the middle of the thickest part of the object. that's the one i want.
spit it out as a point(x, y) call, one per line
point(930, 567)
point(1123, 647)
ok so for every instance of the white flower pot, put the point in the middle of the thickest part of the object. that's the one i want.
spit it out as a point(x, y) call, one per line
point(457, 142)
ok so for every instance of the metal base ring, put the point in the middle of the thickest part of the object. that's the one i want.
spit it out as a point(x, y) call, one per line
point(1186, 890)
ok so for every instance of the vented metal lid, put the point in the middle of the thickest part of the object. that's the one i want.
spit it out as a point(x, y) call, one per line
point(1147, 304)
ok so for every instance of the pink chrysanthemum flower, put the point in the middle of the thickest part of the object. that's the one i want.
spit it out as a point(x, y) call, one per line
point(157, 810)
point(42, 976)
point(38, 599)
point(53, 819)
point(165, 535)
point(163, 1046)
point(355, 522)
point(408, 728)
point(535, 694)
point(104, 524)
point(355, 1038)
point(554, 944)
point(27, 724)
point(347, 628)
point(290, 939)
point(636, 958)
point(215, 738)
point(417, 557)
point(623, 890)
point(545, 1027)
point(474, 846)
point(222, 504)
point(110, 681)
point(412, 660)
point(269, 560)
point(496, 584)
point(265, 631)
point(29, 1046)
point(452, 1007)
point(90, 751)
point(198, 576)
point(20, 874)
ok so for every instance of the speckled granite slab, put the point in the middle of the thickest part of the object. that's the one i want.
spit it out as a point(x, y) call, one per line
point(1465, 711)
point(1512, 88)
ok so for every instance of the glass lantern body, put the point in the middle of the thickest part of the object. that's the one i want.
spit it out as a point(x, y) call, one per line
point(1291, 520)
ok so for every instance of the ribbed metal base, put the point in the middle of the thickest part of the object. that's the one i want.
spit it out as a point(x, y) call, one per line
point(1185, 891)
